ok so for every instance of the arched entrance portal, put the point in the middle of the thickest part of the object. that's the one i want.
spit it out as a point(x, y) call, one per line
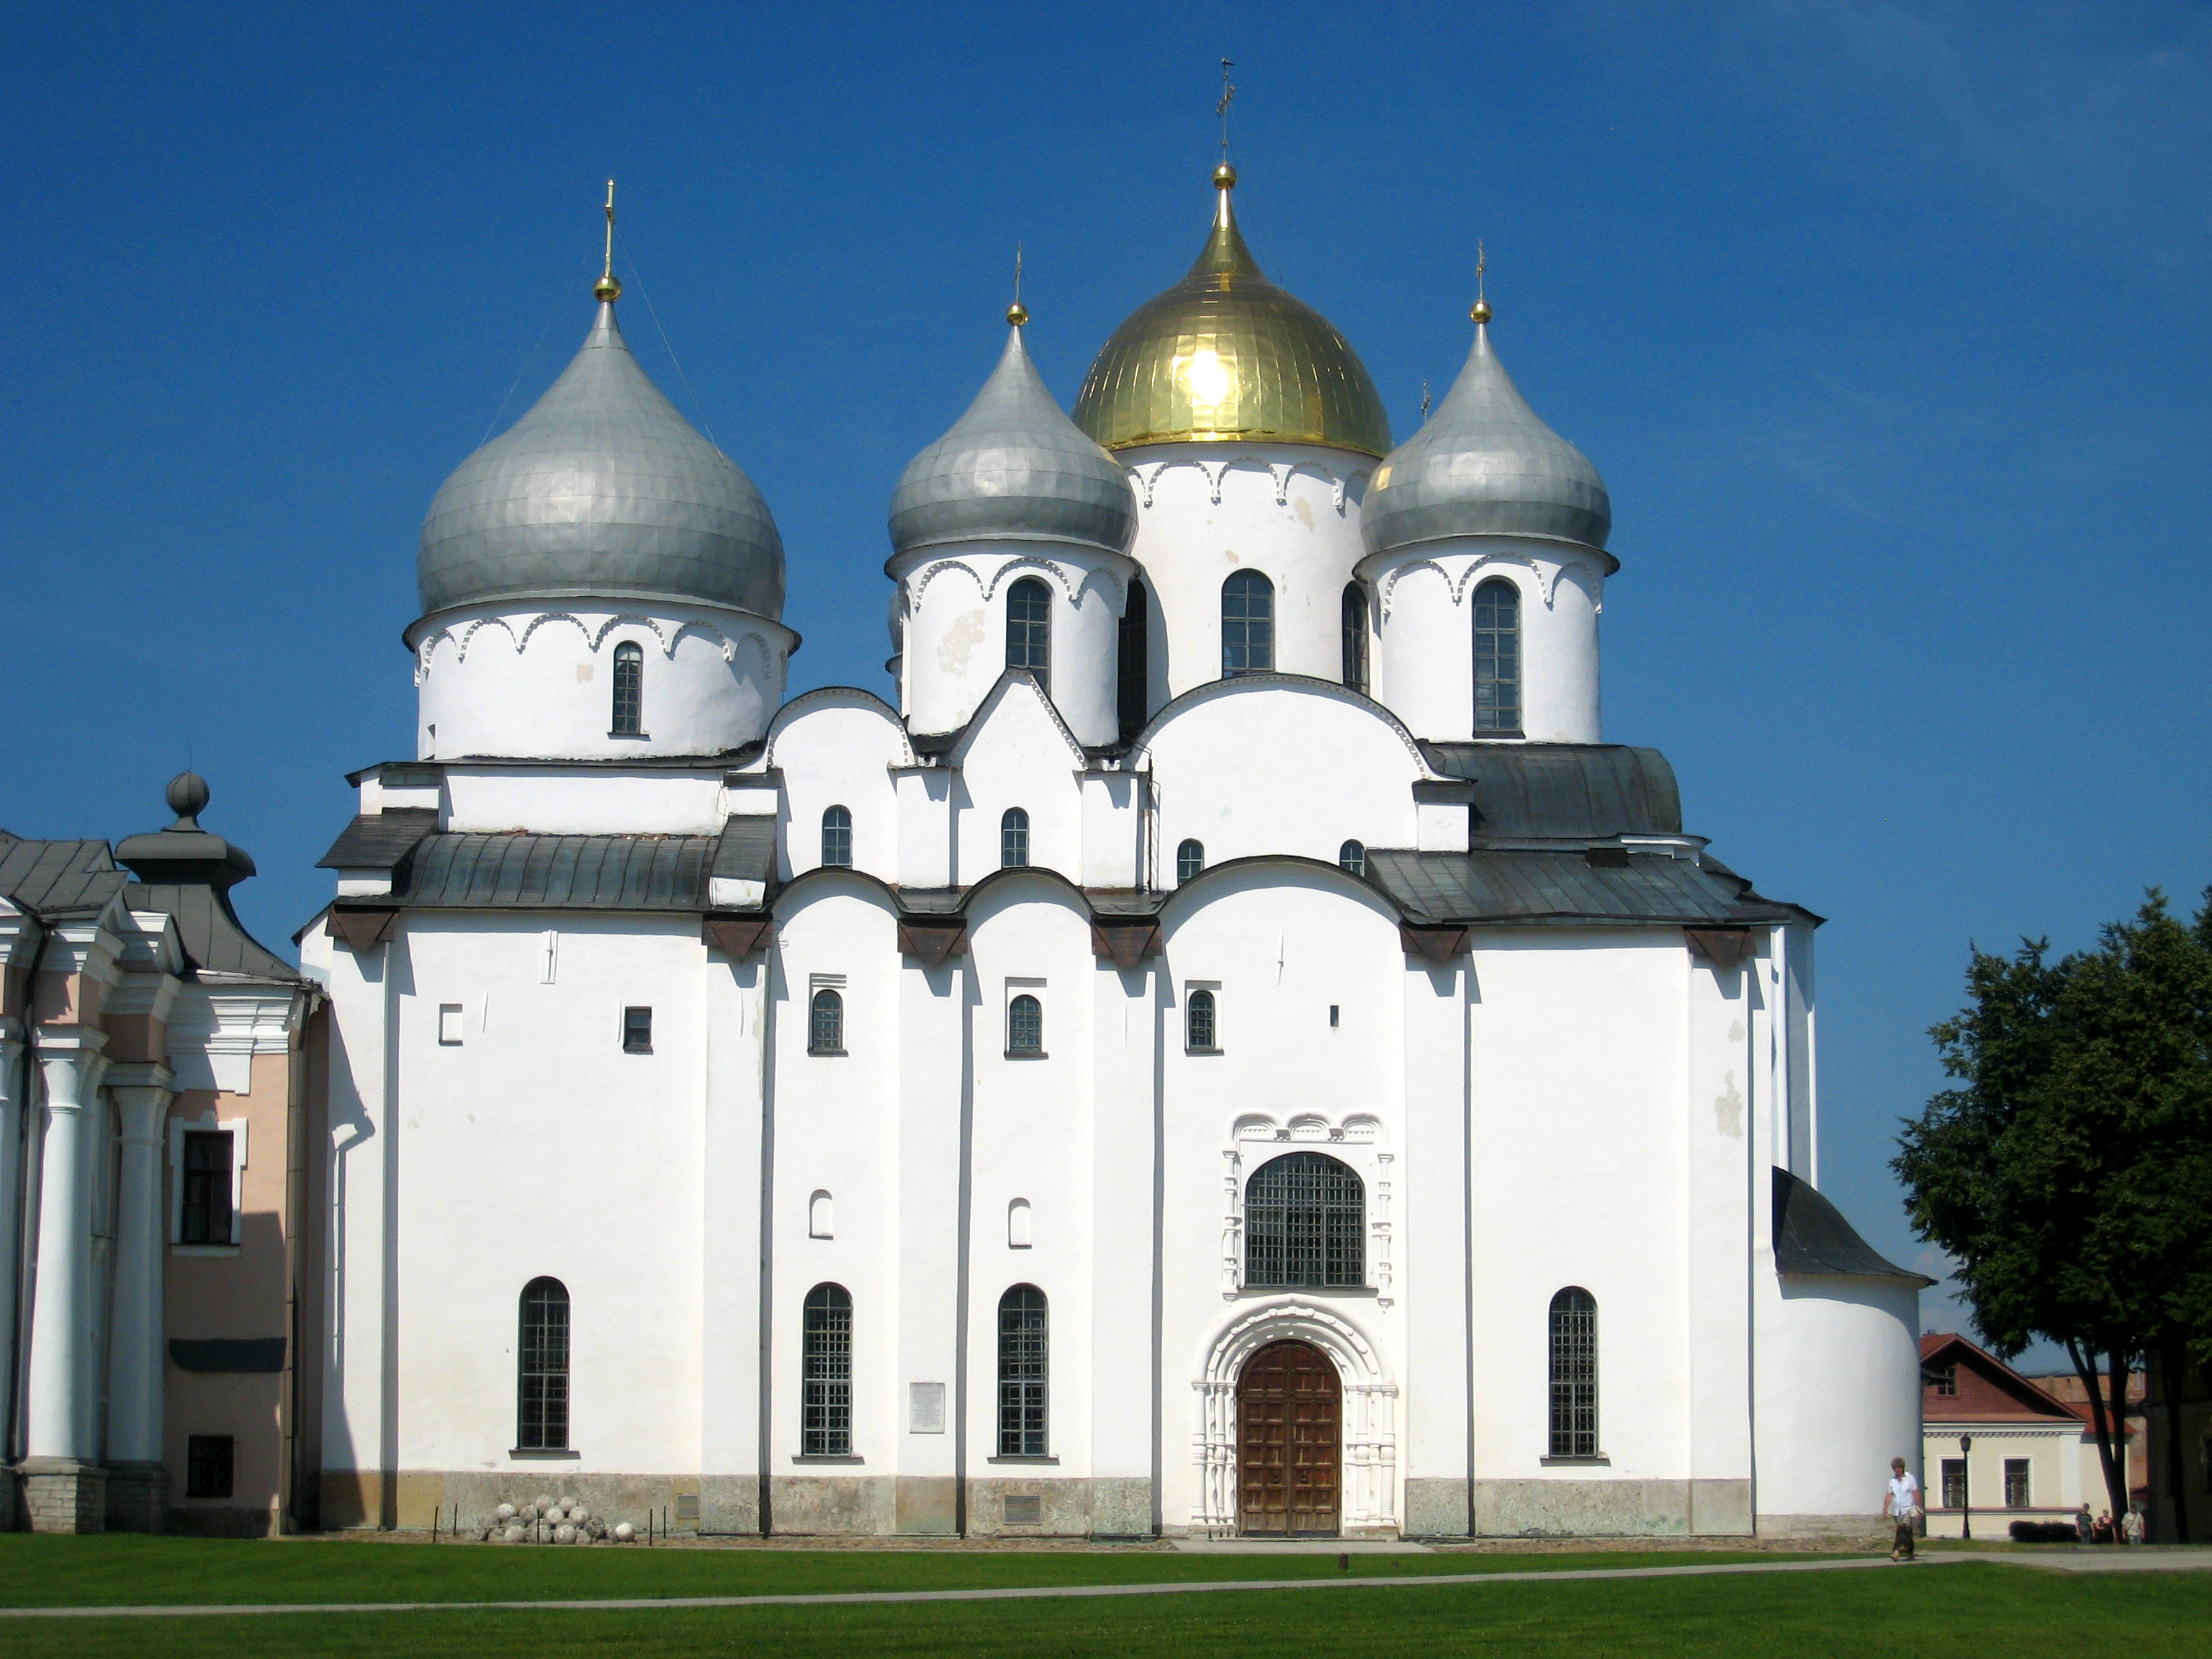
point(1289, 1417)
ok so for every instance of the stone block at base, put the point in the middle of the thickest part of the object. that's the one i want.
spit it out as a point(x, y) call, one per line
point(138, 1497)
point(63, 1495)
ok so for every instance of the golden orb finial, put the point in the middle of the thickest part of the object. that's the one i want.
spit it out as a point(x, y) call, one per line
point(1225, 177)
point(606, 290)
point(1480, 311)
point(1017, 314)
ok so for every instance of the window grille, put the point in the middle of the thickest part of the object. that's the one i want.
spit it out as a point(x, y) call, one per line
point(637, 1031)
point(1025, 1025)
point(1496, 656)
point(1198, 1020)
point(1954, 1483)
point(1190, 859)
point(1014, 839)
point(1574, 1374)
point(2016, 1494)
point(1131, 664)
point(206, 1215)
point(1029, 629)
point(837, 837)
point(542, 1419)
point(629, 692)
point(825, 1023)
point(826, 1373)
point(210, 1463)
point(1352, 857)
point(1247, 624)
point(1305, 1224)
point(1024, 1352)
point(1355, 636)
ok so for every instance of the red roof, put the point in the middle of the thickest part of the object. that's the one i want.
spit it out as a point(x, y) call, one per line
point(1983, 1388)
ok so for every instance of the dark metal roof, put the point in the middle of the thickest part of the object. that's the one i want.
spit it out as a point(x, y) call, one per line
point(377, 840)
point(1812, 1236)
point(210, 931)
point(560, 873)
point(747, 850)
point(59, 878)
point(1524, 888)
point(1563, 791)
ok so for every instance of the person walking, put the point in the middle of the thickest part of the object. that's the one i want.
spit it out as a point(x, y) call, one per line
point(2082, 1525)
point(2131, 1526)
point(1901, 1503)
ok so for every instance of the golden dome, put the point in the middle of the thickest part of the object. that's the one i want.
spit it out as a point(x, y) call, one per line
point(1224, 355)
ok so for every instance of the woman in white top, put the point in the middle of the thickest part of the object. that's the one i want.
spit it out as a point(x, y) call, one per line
point(1901, 1504)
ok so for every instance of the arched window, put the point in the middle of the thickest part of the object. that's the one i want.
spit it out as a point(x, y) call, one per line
point(1496, 656)
point(825, 1023)
point(1029, 629)
point(542, 1367)
point(1247, 624)
point(825, 1383)
point(1199, 1033)
point(629, 692)
point(822, 1216)
point(1014, 839)
point(1352, 858)
point(1305, 1223)
point(837, 837)
point(1574, 1373)
point(1355, 636)
point(1190, 859)
point(1132, 664)
point(1020, 1225)
point(1025, 1025)
point(1024, 1353)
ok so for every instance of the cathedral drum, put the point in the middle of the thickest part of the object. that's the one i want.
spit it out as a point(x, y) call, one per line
point(1289, 1415)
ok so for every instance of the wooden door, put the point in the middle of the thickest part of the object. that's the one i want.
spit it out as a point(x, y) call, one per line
point(1290, 1408)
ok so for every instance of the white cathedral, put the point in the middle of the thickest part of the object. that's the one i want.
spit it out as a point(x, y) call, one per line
point(1233, 1050)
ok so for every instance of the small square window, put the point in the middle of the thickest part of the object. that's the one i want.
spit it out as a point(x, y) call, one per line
point(209, 1461)
point(637, 1031)
point(449, 1025)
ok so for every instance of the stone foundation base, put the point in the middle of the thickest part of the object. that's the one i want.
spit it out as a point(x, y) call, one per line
point(63, 1495)
point(138, 1497)
point(1617, 1508)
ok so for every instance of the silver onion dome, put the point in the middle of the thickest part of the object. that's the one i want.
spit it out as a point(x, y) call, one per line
point(1485, 465)
point(1014, 467)
point(602, 490)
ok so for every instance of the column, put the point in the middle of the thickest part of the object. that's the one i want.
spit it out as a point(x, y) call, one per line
point(137, 1478)
point(14, 1085)
point(61, 1489)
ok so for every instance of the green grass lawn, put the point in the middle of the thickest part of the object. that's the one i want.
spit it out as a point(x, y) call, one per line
point(1907, 1613)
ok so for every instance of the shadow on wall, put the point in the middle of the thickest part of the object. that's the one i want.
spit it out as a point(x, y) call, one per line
point(239, 1494)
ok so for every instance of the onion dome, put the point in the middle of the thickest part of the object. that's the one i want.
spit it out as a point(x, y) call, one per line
point(601, 491)
point(1013, 468)
point(1485, 465)
point(1224, 355)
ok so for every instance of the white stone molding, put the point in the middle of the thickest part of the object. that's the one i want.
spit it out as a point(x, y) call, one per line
point(214, 1034)
point(1255, 1138)
point(666, 635)
point(989, 570)
point(823, 695)
point(1369, 1430)
point(1147, 475)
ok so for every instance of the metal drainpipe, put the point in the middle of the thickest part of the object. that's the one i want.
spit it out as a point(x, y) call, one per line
point(10, 1423)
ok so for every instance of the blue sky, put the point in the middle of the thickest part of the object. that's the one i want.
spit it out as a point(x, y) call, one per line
point(1886, 324)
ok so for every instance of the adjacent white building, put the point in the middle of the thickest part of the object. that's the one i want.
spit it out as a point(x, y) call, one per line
point(1232, 1049)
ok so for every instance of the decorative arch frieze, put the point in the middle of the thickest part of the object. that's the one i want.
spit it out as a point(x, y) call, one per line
point(1360, 1137)
point(1147, 475)
point(1370, 1486)
point(1461, 572)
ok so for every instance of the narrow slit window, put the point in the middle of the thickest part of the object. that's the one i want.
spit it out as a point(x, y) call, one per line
point(1025, 1025)
point(205, 1215)
point(1023, 1357)
point(825, 1428)
point(825, 1023)
point(1190, 859)
point(837, 838)
point(629, 692)
point(1351, 858)
point(1029, 629)
point(1305, 1221)
point(1574, 1373)
point(542, 1361)
point(1355, 637)
point(1199, 1032)
point(1496, 656)
point(1131, 664)
point(1247, 624)
point(1014, 839)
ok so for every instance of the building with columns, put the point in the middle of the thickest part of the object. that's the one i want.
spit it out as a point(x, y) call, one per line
point(1226, 1046)
point(151, 1089)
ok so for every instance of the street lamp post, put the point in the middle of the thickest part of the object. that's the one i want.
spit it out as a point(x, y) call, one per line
point(1965, 1485)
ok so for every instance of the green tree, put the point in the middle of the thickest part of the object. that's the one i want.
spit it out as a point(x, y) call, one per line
point(2069, 1176)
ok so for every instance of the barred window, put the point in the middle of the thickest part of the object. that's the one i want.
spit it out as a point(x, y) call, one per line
point(1131, 664)
point(837, 837)
point(209, 1460)
point(1024, 1025)
point(826, 1373)
point(629, 692)
point(1014, 839)
point(1198, 1021)
point(1355, 636)
point(1190, 859)
point(1247, 624)
point(1496, 656)
point(1574, 1374)
point(1029, 629)
point(1955, 1492)
point(2016, 1492)
point(825, 1023)
point(1351, 857)
point(542, 1413)
point(1024, 1353)
point(1304, 1223)
point(205, 1217)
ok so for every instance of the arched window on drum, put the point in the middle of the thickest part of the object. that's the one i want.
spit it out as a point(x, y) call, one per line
point(1498, 659)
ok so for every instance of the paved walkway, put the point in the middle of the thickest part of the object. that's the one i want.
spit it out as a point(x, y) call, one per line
point(2131, 1560)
